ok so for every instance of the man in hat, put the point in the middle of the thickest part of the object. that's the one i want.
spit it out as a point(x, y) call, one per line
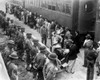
point(12, 67)
point(8, 50)
point(28, 46)
point(91, 58)
point(52, 67)
point(40, 60)
point(29, 40)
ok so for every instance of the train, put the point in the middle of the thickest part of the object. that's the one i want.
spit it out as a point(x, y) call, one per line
point(80, 15)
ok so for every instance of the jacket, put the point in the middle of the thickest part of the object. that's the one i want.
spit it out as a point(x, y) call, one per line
point(40, 60)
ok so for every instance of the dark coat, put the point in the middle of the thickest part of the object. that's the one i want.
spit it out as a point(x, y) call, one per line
point(40, 60)
point(91, 56)
point(72, 55)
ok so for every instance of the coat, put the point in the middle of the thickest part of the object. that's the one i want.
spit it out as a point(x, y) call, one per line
point(98, 58)
point(49, 71)
point(40, 60)
point(91, 56)
point(72, 55)
point(44, 32)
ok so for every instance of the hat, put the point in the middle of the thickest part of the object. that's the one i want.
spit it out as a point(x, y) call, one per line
point(52, 56)
point(42, 48)
point(14, 55)
point(10, 42)
point(88, 36)
point(35, 40)
point(22, 29)
point(28, 34)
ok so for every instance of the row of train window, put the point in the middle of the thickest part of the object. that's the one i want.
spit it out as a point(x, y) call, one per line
point(56, 5)
point(64, 6)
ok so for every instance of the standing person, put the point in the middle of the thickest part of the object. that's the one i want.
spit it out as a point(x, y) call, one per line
point(87, 43)
point(44, 34)
point(91, 58)
point(40, 60)
point(52, 29)
point(12, 67)
point(98, 59)
point(41, 22)
point(8, 50)
point(29, 45)
point(23, 32)
point(51, 67)
point(72, 55)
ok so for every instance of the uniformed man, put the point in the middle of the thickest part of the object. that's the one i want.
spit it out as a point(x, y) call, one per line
point(40, 61)
point(8, 50)
point(29, 45)
point(12, 67)
point(51, 67)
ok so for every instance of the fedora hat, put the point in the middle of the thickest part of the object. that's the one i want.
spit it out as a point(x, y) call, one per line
point(42, 48)
point(88, 36)
point(13, 55)
point(52, 56)
point(35, 40)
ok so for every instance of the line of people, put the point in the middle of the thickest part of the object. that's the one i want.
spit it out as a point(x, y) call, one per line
point(64, 42)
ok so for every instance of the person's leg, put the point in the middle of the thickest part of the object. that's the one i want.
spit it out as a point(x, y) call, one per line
point(71, 64)
point(45, 40)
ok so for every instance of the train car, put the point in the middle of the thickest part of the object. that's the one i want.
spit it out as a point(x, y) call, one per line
point(76, 14)
point(97, 29)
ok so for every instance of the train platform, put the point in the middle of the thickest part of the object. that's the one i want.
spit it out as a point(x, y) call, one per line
point(80, 71)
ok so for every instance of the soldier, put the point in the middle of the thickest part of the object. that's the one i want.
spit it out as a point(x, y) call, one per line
point(28, 46)
point(40, 61)
point(51, 67)
point(8, 50)
point(12, 67)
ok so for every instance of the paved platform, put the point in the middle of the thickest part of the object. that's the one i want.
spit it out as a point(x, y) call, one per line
point(80, 71)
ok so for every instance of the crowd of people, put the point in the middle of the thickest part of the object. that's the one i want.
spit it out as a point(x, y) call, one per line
point(65, 46)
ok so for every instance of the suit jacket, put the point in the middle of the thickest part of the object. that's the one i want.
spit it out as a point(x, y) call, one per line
point(72, 55)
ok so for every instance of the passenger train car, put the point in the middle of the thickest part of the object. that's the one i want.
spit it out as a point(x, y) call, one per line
point(80, 15)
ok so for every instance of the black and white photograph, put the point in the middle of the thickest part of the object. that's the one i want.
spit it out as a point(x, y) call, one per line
point(49, 39)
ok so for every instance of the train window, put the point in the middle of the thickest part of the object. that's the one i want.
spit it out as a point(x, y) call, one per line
point(88, 7)
point(53, 8)
point(49, 7)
